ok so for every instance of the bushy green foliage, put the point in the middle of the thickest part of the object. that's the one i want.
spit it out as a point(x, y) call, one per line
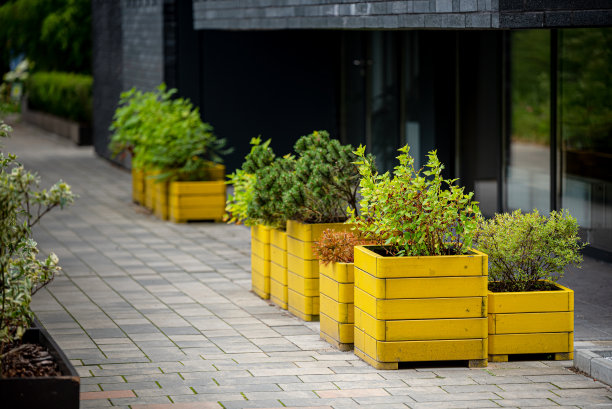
point(22, 205)
point(525, 248)
point(166, 134)
point(271, 182)
point(253, 201)
point(415, 213)
point(324, 182)
point(55, 34)
point(337, 246)
point(60, 93)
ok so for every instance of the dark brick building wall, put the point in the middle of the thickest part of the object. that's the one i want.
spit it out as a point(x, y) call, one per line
point(107, 68)
point(355, 14)
point(143, 38)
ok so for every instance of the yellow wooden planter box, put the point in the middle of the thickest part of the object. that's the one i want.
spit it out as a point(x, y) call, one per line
point(260, 261)
point(420, 308)
point(336, 282)
point(303, 267)
point(278, 268)
point(162, 208)
point(199, 200)
point(138, 186)
point(535, 322)
point(150, 182)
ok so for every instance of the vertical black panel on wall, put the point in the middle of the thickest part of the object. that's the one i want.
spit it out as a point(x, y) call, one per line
point(181, 50)
point(277, 84)
point(480, 110)
point(107, 59)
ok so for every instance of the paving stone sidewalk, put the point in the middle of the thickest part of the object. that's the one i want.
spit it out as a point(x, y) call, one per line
point(159, 315)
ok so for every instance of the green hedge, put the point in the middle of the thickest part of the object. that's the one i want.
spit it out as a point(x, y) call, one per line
point(60, 93)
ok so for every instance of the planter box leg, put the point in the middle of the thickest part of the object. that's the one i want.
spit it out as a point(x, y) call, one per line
point(498, 358)
point(478, 363)
point(564, 356)
point(339, 345)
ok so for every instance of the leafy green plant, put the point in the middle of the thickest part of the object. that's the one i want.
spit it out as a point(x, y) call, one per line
point(60, 93)
point(526, 248)
point(417, 212)
point(240, 206)
point(22, 206)
point(166, 134)
point(324, 182)
point(337, 246)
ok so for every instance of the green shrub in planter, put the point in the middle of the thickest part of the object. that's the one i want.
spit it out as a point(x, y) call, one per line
point(66, 95)
point(525, 249)
point(528, 312)
point(421, 294)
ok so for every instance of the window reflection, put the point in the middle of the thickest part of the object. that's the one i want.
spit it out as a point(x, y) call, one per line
point(528, 156)
point(585, 125)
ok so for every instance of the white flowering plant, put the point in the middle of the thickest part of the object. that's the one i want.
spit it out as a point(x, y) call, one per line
point(22, 274)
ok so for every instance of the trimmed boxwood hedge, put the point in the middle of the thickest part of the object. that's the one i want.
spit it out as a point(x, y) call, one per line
point(66, 95)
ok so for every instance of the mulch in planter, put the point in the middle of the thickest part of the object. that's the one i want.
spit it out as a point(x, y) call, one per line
point(27, 360)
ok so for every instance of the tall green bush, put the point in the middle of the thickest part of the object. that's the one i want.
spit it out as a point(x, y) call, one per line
point(54, 34)
point(63, 94)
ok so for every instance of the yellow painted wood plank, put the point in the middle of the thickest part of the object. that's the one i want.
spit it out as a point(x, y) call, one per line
point(533, 301)
point(427, 308)
point(305, 286)
point(278, 273)
point(340, 312)
point(195, 201)
point(340, 332)
point(539, 343)
point(341, 292)
point(526, 323)
point(303, 307)
point(150, 192)
point(301, 267)
point(278, 238)
point(278, 293)
point(340, 272)
point(419, 287)
point(427, 266)
point(260, 249)
point(261, 233)
point(199, 213)
point(430, 350)
point(197, 188)
point(260, 283)
point(278, 255)
point(415, 330)
point(260, 265)
point(301, 249)
point(312, 232)
point(216, 172)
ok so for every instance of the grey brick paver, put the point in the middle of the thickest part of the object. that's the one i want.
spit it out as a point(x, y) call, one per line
point(165, 310)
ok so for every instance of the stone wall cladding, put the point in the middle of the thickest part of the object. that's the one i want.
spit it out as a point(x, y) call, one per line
point(347, 14)
point(554, 13)
point(143, 43)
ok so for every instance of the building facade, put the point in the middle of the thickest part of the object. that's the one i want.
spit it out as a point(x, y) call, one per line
point(515, 95)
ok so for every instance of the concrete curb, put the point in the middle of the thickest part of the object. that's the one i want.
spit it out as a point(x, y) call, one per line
point(595, 364)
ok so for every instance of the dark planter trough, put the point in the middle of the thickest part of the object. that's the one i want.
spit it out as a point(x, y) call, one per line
point(55, 392)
